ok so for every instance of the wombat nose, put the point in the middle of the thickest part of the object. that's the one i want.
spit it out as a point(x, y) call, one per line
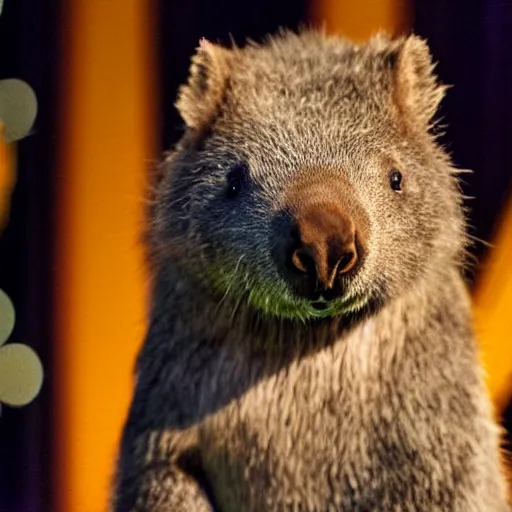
point(325, 244)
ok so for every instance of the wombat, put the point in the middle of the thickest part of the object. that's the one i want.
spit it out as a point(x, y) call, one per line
point(310, 343)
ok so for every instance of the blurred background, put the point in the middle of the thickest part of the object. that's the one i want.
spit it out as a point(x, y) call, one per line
point(105, 74)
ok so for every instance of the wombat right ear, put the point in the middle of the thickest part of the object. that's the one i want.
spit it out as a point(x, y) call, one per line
point(199, 100)
point(418, 92)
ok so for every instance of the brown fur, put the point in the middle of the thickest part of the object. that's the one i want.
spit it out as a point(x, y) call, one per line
point(248, 399)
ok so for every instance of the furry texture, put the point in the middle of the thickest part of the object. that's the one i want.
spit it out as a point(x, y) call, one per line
point(249, 398)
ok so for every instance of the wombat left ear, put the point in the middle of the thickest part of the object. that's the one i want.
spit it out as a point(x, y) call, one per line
point(199, 100)
point(418, 92)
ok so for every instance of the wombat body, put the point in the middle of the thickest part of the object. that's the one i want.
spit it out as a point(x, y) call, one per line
point(310, 345)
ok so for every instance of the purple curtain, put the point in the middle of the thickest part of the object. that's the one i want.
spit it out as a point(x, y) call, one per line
point(473, 42)
point(28, 42)
point(472, 39)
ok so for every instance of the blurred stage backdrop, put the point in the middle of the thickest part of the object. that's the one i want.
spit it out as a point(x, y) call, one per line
point(105, 74)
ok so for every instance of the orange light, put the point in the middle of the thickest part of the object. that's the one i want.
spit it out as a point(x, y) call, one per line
point(107, 141)
point(493, 313)
point(7, 176)
point(358, 20)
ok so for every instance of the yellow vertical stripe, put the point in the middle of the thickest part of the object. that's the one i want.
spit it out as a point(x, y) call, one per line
point(107, 140)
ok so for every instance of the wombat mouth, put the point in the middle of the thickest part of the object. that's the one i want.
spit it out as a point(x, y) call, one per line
point(320, 305)
point(321, 298)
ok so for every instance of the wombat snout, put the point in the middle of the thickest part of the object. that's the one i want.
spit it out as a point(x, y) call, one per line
point(324, 247)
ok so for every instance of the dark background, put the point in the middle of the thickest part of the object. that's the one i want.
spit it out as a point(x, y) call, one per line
point(472, 40)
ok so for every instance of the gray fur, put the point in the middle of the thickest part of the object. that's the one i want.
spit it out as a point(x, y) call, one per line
point(242, 407)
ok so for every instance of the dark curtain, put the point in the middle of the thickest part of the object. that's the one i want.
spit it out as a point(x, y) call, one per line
point(182, 24)
point(28, 51)
point(472, 40)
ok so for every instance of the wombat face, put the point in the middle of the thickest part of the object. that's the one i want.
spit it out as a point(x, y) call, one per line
point(308, 184)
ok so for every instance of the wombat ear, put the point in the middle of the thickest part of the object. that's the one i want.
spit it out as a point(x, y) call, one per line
point(418, 92)
point(199, 99)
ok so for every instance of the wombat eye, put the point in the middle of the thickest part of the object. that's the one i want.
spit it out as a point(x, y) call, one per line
point(236, 179)
point(395, 180)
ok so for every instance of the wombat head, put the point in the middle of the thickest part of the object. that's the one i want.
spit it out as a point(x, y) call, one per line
point(308, 183)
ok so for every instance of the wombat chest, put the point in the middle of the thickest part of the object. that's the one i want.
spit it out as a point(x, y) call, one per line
point(328, 432)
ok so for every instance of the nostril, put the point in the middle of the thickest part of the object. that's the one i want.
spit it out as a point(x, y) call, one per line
point(347, 261)
point(303, 260)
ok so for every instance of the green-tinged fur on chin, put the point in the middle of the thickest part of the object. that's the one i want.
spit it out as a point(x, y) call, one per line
point(274, 299)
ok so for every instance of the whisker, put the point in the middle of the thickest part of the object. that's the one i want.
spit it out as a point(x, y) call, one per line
point(480, 241)
point(232, 280)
